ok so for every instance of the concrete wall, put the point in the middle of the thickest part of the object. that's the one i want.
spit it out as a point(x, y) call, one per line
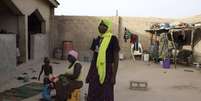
point(197, 52)
point(7, 52)
point(8, 19)
point(39, 46)
point(82, 29)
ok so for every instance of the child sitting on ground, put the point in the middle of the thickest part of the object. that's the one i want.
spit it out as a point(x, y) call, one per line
point(47, 69)
point(47, 81)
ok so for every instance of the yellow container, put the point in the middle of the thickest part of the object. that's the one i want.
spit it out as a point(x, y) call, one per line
point(75, 95)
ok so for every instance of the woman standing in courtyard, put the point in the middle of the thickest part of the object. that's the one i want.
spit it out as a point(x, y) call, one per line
point(104, 65)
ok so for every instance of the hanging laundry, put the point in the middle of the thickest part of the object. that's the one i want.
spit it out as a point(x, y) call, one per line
point(126, 37)
point(127, 34)
point(134, 40)
point(153, 51)
point(165, 46)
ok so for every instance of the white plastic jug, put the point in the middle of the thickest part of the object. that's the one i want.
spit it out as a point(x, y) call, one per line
point(146, 57)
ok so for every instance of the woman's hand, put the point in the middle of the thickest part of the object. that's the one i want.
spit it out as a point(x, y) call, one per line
point(113, 80)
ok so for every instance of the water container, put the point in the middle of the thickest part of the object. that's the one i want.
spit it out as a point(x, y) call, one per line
point(146, 57)
point(161, 63)
point(121, 56)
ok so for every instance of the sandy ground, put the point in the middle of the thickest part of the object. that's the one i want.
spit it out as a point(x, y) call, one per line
point(163, 84)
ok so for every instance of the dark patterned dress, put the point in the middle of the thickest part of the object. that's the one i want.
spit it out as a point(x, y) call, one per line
point(96, 91)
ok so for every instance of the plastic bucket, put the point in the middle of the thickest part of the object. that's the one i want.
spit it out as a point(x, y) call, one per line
point(166, 63)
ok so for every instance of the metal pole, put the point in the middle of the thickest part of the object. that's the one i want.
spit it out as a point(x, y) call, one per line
point(192, 40)
point(175, 53)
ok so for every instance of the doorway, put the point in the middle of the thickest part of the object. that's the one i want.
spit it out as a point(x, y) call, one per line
point(35, 26)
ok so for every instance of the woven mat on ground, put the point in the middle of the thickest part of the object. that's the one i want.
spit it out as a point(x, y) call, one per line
point(21, 93)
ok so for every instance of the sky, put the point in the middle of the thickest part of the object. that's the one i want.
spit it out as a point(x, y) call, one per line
point(137, 8)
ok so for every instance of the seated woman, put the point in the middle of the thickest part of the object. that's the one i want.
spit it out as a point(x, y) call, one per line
point(71, 79)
